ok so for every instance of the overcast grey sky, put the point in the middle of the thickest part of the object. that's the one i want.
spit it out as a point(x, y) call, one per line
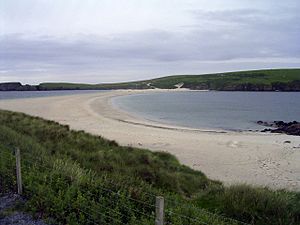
point(98, 41)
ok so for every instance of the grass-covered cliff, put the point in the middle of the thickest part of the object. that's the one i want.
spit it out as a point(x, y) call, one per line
point(77, 178)
point(260, 80)
point(257, 80)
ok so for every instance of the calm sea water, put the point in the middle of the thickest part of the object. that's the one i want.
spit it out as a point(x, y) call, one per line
point(222, 110)
point(34, 94)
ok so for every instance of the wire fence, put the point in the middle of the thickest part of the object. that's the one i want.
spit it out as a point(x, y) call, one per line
point(111, 204)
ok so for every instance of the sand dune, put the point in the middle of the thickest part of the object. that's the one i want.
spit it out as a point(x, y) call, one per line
point(232, 157)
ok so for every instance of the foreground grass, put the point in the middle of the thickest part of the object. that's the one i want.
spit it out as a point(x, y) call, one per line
point(77, 178)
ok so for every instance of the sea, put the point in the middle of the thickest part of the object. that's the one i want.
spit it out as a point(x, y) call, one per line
point(36, 94)
point(237, 111)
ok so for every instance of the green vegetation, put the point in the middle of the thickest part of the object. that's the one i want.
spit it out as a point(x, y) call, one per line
point(267, 80)
point(76, 178)
point(75, 86)
point(257, 80)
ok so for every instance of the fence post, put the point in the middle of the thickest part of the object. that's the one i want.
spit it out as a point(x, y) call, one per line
point(159, 210)
point(18, 170)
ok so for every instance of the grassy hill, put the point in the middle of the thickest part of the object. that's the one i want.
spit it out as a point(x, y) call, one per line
point(77, 178)
point(245, 80)
point(257, 80)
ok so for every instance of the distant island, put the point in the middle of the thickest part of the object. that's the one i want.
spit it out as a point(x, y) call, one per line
point(256, 80)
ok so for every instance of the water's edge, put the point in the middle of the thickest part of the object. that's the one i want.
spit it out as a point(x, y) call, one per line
point(233, 111)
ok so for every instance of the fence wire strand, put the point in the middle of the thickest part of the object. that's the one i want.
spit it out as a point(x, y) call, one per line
point(40, 163)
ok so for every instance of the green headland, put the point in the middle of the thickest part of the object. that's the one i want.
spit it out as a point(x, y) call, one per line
point(256, 80)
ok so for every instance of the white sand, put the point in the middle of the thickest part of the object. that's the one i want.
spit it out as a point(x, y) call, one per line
point(232, 157)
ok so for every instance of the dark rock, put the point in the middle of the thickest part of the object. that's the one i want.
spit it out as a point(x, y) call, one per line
point(279, 123)
point(264, 123)
point(291, 128)
point(10, 86)
point(266, 130)
point(17, 86)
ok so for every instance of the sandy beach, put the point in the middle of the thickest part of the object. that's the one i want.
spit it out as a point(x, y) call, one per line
point(232, 157)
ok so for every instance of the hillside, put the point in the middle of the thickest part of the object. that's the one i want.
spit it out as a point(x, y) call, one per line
point(260, 80)
point(257, 80)
point(77, 178)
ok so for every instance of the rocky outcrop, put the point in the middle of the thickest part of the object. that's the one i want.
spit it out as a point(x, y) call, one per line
point(10, 86)
point(17, 86)
point(291, 128)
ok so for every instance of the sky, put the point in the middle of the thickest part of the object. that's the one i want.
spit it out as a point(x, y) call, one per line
point(102, 41)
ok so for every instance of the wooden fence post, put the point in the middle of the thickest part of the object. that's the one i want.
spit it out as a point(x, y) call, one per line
point(159, 210)
point(18, 170)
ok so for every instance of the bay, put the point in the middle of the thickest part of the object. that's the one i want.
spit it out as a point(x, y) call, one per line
point(213, 110)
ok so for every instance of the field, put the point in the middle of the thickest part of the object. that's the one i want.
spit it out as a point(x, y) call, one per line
point(76, 178)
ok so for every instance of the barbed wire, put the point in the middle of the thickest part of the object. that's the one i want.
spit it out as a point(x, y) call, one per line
point(107, 190)
point(40, 163)
point(118, 194)
point(204, 212)
point(186, 217)
point(135, 188)
point(31, 160)
point(102, 214)
point(35, 160)
point(114, 211)
point(87, 218)
point(97, 212)
point(7, 153)
point(108, 181)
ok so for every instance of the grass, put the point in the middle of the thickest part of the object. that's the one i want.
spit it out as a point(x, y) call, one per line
point(245, 80)
point(256, 80)
point(72, 177)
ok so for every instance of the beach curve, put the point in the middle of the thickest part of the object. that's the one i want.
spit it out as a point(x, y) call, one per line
point(231, 157)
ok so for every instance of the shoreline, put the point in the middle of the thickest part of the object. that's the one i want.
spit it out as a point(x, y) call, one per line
point(231, 157)
point(136, 119)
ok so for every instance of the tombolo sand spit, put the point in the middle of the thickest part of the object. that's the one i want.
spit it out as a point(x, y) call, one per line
point(231, 157)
